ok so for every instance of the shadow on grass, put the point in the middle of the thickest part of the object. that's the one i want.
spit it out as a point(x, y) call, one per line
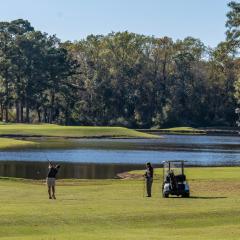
point(199, 197)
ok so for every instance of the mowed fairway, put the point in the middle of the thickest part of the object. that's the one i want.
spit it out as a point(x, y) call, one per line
point(116, 209)
point(11, 143)
point(53, 130)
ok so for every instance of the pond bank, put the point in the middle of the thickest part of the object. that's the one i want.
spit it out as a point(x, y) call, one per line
point(38, 170)
point(192, 173)
point(196, 150)
point(193, 131)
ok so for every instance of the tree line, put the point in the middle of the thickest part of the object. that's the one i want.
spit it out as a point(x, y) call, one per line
point(122, 78)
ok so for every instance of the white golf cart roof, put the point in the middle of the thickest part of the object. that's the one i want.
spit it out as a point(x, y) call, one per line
point(174, 161)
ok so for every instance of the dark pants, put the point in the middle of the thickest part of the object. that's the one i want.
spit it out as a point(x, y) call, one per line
point(149, 182)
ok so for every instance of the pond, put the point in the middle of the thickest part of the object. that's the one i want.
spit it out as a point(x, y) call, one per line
point(111, 156)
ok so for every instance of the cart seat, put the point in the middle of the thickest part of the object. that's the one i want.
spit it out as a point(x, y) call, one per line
point(180, 178)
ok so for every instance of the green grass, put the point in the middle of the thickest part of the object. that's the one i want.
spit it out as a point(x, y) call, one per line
point(188, 129)
point(54, 136)
point(206, 173)
point(69, 131)
point(9, 143)
point(116, 209)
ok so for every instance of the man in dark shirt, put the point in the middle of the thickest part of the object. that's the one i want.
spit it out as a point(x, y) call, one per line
point(149, 179)
point(51, 179)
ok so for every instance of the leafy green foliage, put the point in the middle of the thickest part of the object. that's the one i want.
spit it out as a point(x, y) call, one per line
point(232, 24)
point(121, 79)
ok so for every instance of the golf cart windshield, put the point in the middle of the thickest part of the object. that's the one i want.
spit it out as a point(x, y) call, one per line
point(175, 167)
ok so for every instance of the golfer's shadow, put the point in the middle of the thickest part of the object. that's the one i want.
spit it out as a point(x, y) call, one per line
point(199, 197)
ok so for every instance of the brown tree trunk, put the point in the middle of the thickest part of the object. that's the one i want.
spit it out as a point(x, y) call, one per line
point(66, 117)
point(51, 117)
point(27, 113)
point(7, 97)
point(45, 115)
point(1, 112)
point(6, 114)
point(17, 112)
point(21, 112)
point(39, 116)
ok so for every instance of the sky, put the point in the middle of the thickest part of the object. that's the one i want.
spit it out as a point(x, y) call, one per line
point(76, 19)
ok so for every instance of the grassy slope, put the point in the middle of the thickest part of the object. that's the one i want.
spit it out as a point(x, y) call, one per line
point(115, 209)
point(8, 143)
point(67, 131)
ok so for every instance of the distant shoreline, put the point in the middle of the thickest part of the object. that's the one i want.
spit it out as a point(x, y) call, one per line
point(194, 131)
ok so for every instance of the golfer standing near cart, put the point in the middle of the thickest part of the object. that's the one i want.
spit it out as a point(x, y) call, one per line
point(149, 179)
point(51, 179)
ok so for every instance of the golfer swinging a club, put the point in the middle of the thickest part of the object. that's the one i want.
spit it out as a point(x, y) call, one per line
point(149, 178)
point(51, 179)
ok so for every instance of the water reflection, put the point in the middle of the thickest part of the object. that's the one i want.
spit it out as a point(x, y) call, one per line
point(104, 158)
point(217, 157)
point(38, 170)
point(200, 139)
point(185, 142)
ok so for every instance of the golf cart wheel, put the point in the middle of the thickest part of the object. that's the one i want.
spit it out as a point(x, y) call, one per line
point(165, 195)
point(186, 195)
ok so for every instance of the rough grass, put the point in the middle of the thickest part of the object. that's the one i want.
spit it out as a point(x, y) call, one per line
point(69, 131)
point(116, 209)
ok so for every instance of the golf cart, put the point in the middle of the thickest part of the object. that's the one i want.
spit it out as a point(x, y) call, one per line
point(174, 180)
